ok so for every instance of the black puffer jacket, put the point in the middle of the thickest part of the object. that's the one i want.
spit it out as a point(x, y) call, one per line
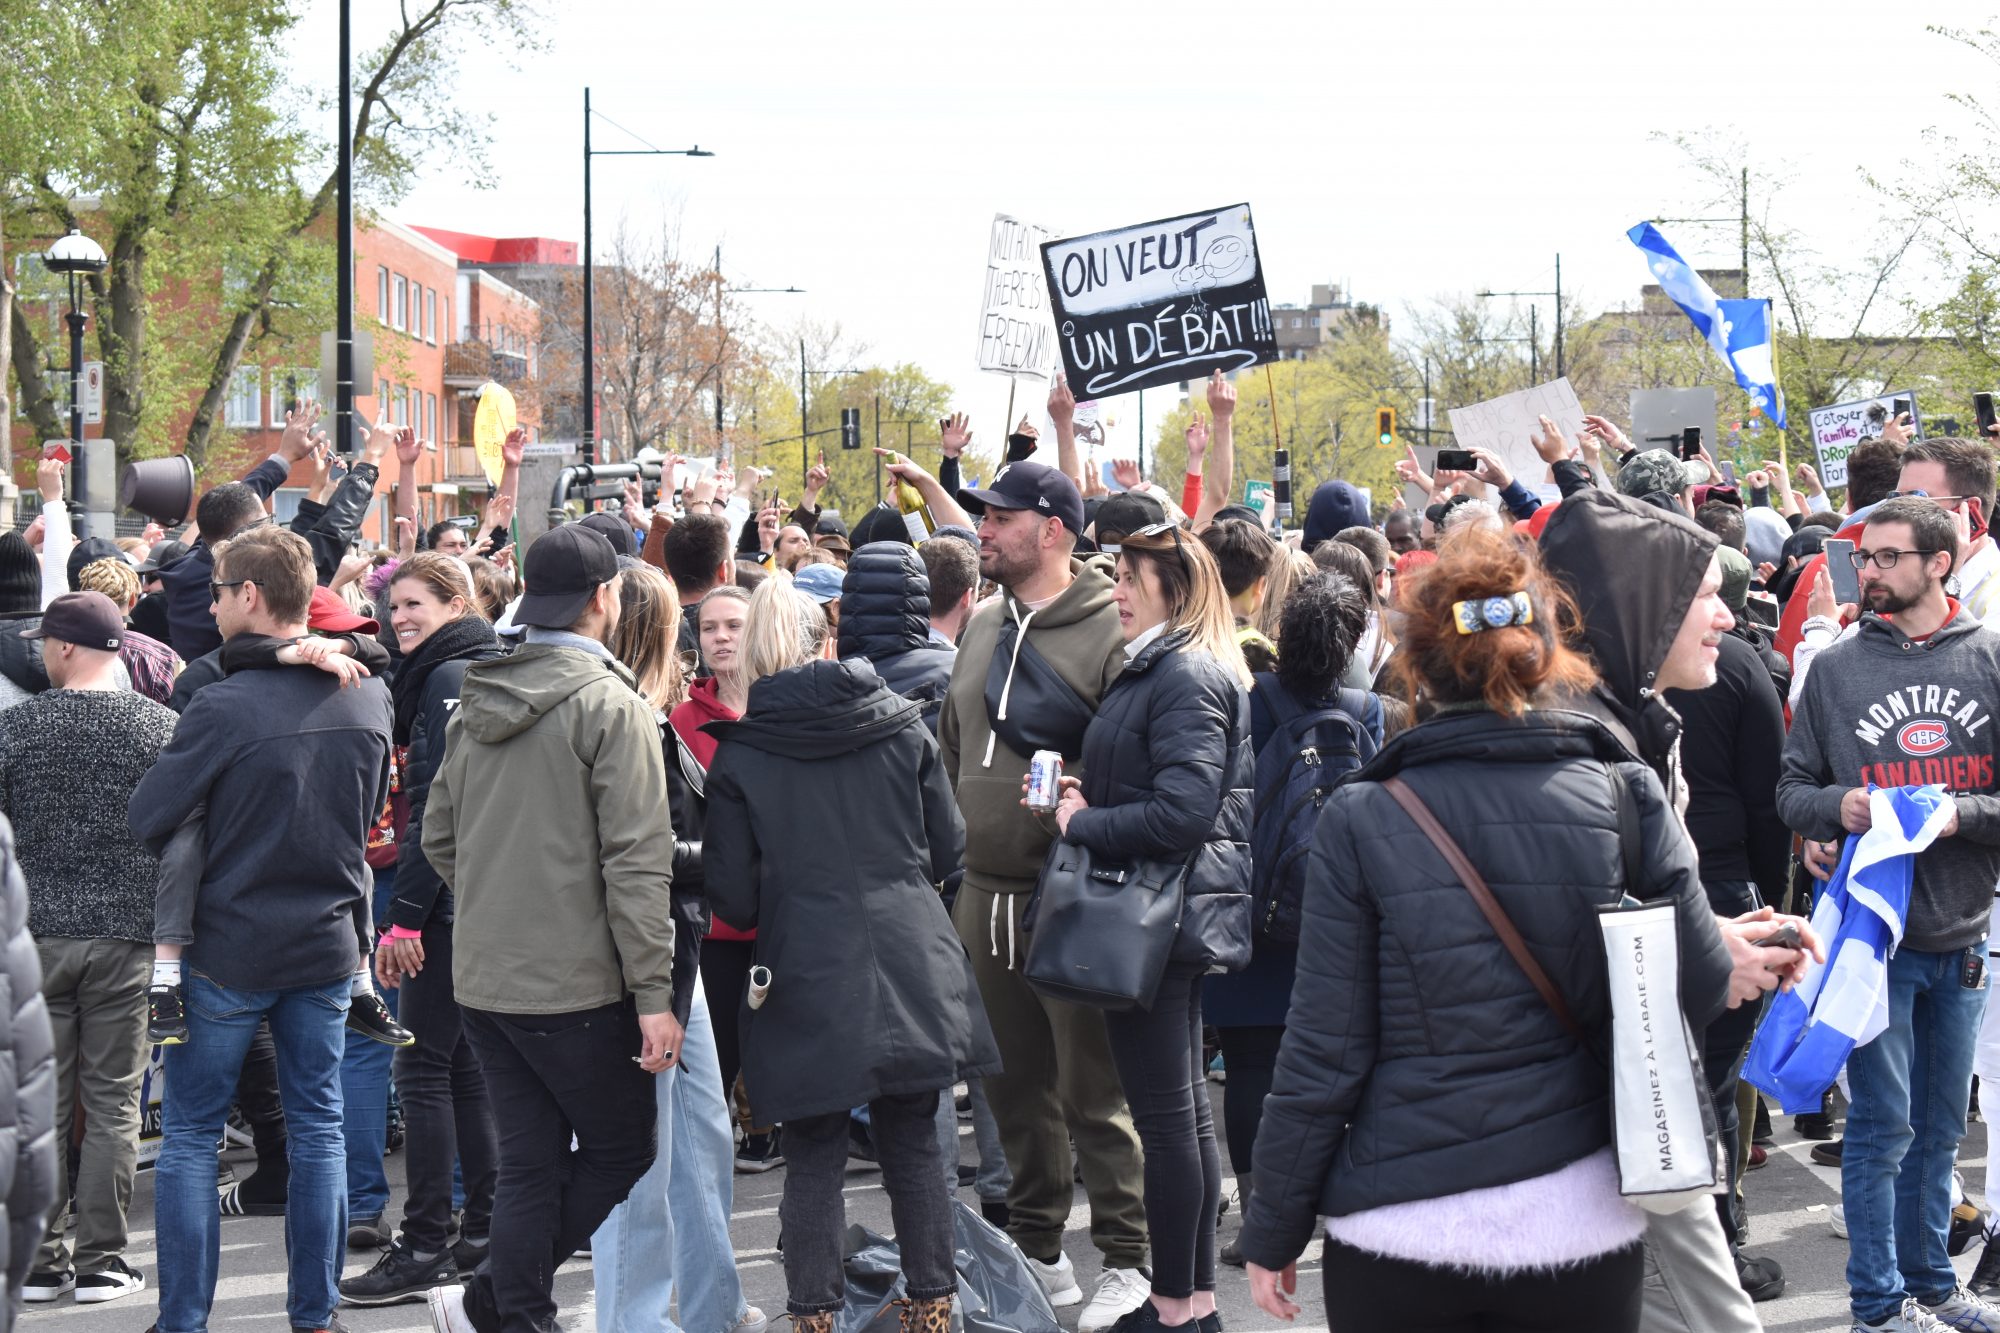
point(27, 1087)
point(1418, 1059)
point(1168, 773)
point(885, 616)
point(817, 837)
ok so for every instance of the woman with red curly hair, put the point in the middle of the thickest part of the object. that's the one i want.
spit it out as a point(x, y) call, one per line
point(1427, 1101)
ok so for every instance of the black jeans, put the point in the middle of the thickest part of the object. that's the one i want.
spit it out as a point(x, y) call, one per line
point(813, 1215)
point(725, 972)
point(1366, 1293)
point(445, 1109)
point(555, 1075)
point(1250, 1055)
point(1158, 1054)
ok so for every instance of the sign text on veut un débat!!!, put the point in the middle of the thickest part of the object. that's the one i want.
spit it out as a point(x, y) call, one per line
point(1160, 303)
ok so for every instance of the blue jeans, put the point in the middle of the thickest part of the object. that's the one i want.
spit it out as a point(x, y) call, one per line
point(674, 1226)
point(364, 1086)
point(307, 1026)
point(1910, 1088)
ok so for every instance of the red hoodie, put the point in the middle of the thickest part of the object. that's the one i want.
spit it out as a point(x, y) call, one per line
point(1792, 624)
point(704, 705)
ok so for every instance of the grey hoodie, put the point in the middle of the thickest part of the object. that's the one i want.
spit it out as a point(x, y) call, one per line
point(1881, 709)
point(548, 819)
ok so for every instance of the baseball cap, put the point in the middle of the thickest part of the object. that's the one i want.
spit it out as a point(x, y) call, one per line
point(1123, 514)
point(819, 582)
point(86, 619)
point(163, 554)
point(562, 569)
point(615, 529)
point(1657, 471)
point(328, 614)
point(88, 550)
point(1027, 485)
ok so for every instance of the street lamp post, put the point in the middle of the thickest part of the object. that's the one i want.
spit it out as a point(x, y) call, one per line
point(589, 404)
point(76, 256)
point(1558, 294)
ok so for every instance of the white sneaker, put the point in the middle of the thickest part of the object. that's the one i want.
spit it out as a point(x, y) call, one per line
point(1119, 1292)
point(120, 1279)
point(1912, 1318)
point(753, 1321)
point(447, 1307)
point(1966, 1312)
point(1840, 1220)
point(1058, 1280)
point(41, 1288)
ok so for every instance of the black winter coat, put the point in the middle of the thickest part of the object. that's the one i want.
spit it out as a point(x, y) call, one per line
point(1418, 1059)
point(685, 784)
point(817, 837)
point(1168, 773)
point(885, 616)
point(426, 690)
point(27, 1086)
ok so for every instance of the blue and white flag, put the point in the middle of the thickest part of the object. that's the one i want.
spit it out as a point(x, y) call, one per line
point(1809, 1031)
point(1739, 331)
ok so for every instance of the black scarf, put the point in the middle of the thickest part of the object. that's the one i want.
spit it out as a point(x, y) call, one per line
point(468, 637)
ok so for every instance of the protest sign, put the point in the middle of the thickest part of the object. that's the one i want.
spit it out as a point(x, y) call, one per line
point(1017, 335)
point(1660, 415)
point(1262, 497)
point(1837, 429)
point(1160, 303)
point(1508, 426)
point(492, 422)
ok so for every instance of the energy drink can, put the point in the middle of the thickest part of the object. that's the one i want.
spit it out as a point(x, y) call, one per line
point(1044, 781)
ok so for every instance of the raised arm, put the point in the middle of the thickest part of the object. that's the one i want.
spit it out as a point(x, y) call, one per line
point(1062, 411)
point(1221, 461)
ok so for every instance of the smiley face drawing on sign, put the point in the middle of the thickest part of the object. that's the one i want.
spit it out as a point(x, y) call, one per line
point(1224, 256)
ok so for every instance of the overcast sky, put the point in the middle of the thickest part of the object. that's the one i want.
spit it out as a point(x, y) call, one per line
point(1412, 151)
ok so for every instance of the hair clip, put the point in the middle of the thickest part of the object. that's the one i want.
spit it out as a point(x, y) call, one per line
point(1484, 613)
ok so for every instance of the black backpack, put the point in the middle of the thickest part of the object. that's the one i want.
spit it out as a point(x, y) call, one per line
point(1309, 750)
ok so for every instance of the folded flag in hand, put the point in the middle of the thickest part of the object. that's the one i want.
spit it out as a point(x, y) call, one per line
point(1809, 1031)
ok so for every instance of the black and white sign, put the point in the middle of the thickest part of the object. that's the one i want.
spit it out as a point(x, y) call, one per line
point(1017, 337)
point(1160, 303)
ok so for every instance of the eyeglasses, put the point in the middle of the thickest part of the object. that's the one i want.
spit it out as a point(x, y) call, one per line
point(215, 586)
point(1951, 503)
point(1885, 558)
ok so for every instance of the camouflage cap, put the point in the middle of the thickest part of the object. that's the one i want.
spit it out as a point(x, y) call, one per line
point(1657, 471)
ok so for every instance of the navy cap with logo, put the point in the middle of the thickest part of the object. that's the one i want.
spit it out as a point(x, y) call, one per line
point(563, 568)
point(1035, 486)
point(86, 619)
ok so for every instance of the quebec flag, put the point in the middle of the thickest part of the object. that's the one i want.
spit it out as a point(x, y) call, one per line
point(1809, 1031)
point(1739, 331)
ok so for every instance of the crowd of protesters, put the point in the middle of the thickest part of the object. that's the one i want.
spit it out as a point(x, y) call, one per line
point(700, 841)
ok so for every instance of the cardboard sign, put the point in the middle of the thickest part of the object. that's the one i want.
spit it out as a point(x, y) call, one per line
point(1508, 426)
point(1017, 334)
point(1660, 415)
point(1160, 303)
point(1837, 429)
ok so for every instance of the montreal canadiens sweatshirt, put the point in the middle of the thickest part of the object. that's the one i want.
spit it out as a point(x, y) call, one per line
point(1884, 710)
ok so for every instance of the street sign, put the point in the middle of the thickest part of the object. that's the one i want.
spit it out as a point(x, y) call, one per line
point(93, 393)
point(364, 367)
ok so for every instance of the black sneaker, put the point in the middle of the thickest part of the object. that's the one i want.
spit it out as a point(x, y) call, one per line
point(116, 1279)
point(368, 1015)
point(1986, 1273)
point(1762, 1278)
point(166, 1016)
point(41, 1288)
point(1827, 1154)
point(1813, 1125)
point(759, 1153)
point(332, 1325)
point(400, 1276)
point(1145, 1318)
point(368, 1233)
point(468, 1254)
point(1968, 1224)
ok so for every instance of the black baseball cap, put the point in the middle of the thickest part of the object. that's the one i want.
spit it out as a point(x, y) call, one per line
point(614, 529)
point(163, 554)
point(1035, 486)
point(86, 619)
point(563, 568)
point(1123, 514)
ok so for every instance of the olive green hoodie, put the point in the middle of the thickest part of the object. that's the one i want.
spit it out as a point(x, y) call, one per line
point(1077, 634)
point(548, 818)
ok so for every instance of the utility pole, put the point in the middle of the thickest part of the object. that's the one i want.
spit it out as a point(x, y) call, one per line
point(805, 431)
point(719, 336)
point(589, 404)
point(343, 251)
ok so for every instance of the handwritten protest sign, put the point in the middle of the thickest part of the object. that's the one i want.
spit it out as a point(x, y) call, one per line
point(1837, 429)
point(492, 421)
point(1160, 303)
point(1509, 424)
point(1017, 334)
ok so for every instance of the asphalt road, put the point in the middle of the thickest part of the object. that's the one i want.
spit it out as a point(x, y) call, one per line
point(1790, 1202)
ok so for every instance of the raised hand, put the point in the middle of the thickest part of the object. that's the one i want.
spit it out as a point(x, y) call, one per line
point(514, 447)
point(954, 434)
point(1221, 397)
point(406, 537)
point(297, 439)
point(904, 469)
point(1550, 445)
point(1197, 438)
point(1125, 471)
point(408, 447)
point(1062, 403)
point(817, 476)
point(49, 479)
point(1410, 471)
point(1605, 433)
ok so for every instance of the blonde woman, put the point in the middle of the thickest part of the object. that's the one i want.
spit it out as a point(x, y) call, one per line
point(1168, 775)
point(1288, 567)
point(818, 837)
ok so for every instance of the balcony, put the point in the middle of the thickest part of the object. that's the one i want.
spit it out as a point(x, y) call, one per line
point(461, 464)
point(467, 365)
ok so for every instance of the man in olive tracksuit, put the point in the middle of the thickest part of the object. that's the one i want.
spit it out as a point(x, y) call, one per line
point(1030, 671)
point(547, 819)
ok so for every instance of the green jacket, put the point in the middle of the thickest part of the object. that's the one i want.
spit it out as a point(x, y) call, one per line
point(1077, 635)
point(548, 818)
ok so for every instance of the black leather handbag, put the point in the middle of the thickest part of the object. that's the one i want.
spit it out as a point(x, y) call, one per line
point(1101, 931)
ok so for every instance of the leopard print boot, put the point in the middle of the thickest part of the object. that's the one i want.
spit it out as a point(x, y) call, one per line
point(931, 1316)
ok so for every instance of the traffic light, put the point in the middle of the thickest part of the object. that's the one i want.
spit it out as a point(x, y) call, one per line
point(1385, 425)
point(850, 428)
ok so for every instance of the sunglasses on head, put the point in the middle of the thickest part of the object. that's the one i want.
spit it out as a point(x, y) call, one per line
point(1156, 530)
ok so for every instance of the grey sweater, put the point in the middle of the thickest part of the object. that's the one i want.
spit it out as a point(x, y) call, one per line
point(69, 761)
point(1881, 709)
